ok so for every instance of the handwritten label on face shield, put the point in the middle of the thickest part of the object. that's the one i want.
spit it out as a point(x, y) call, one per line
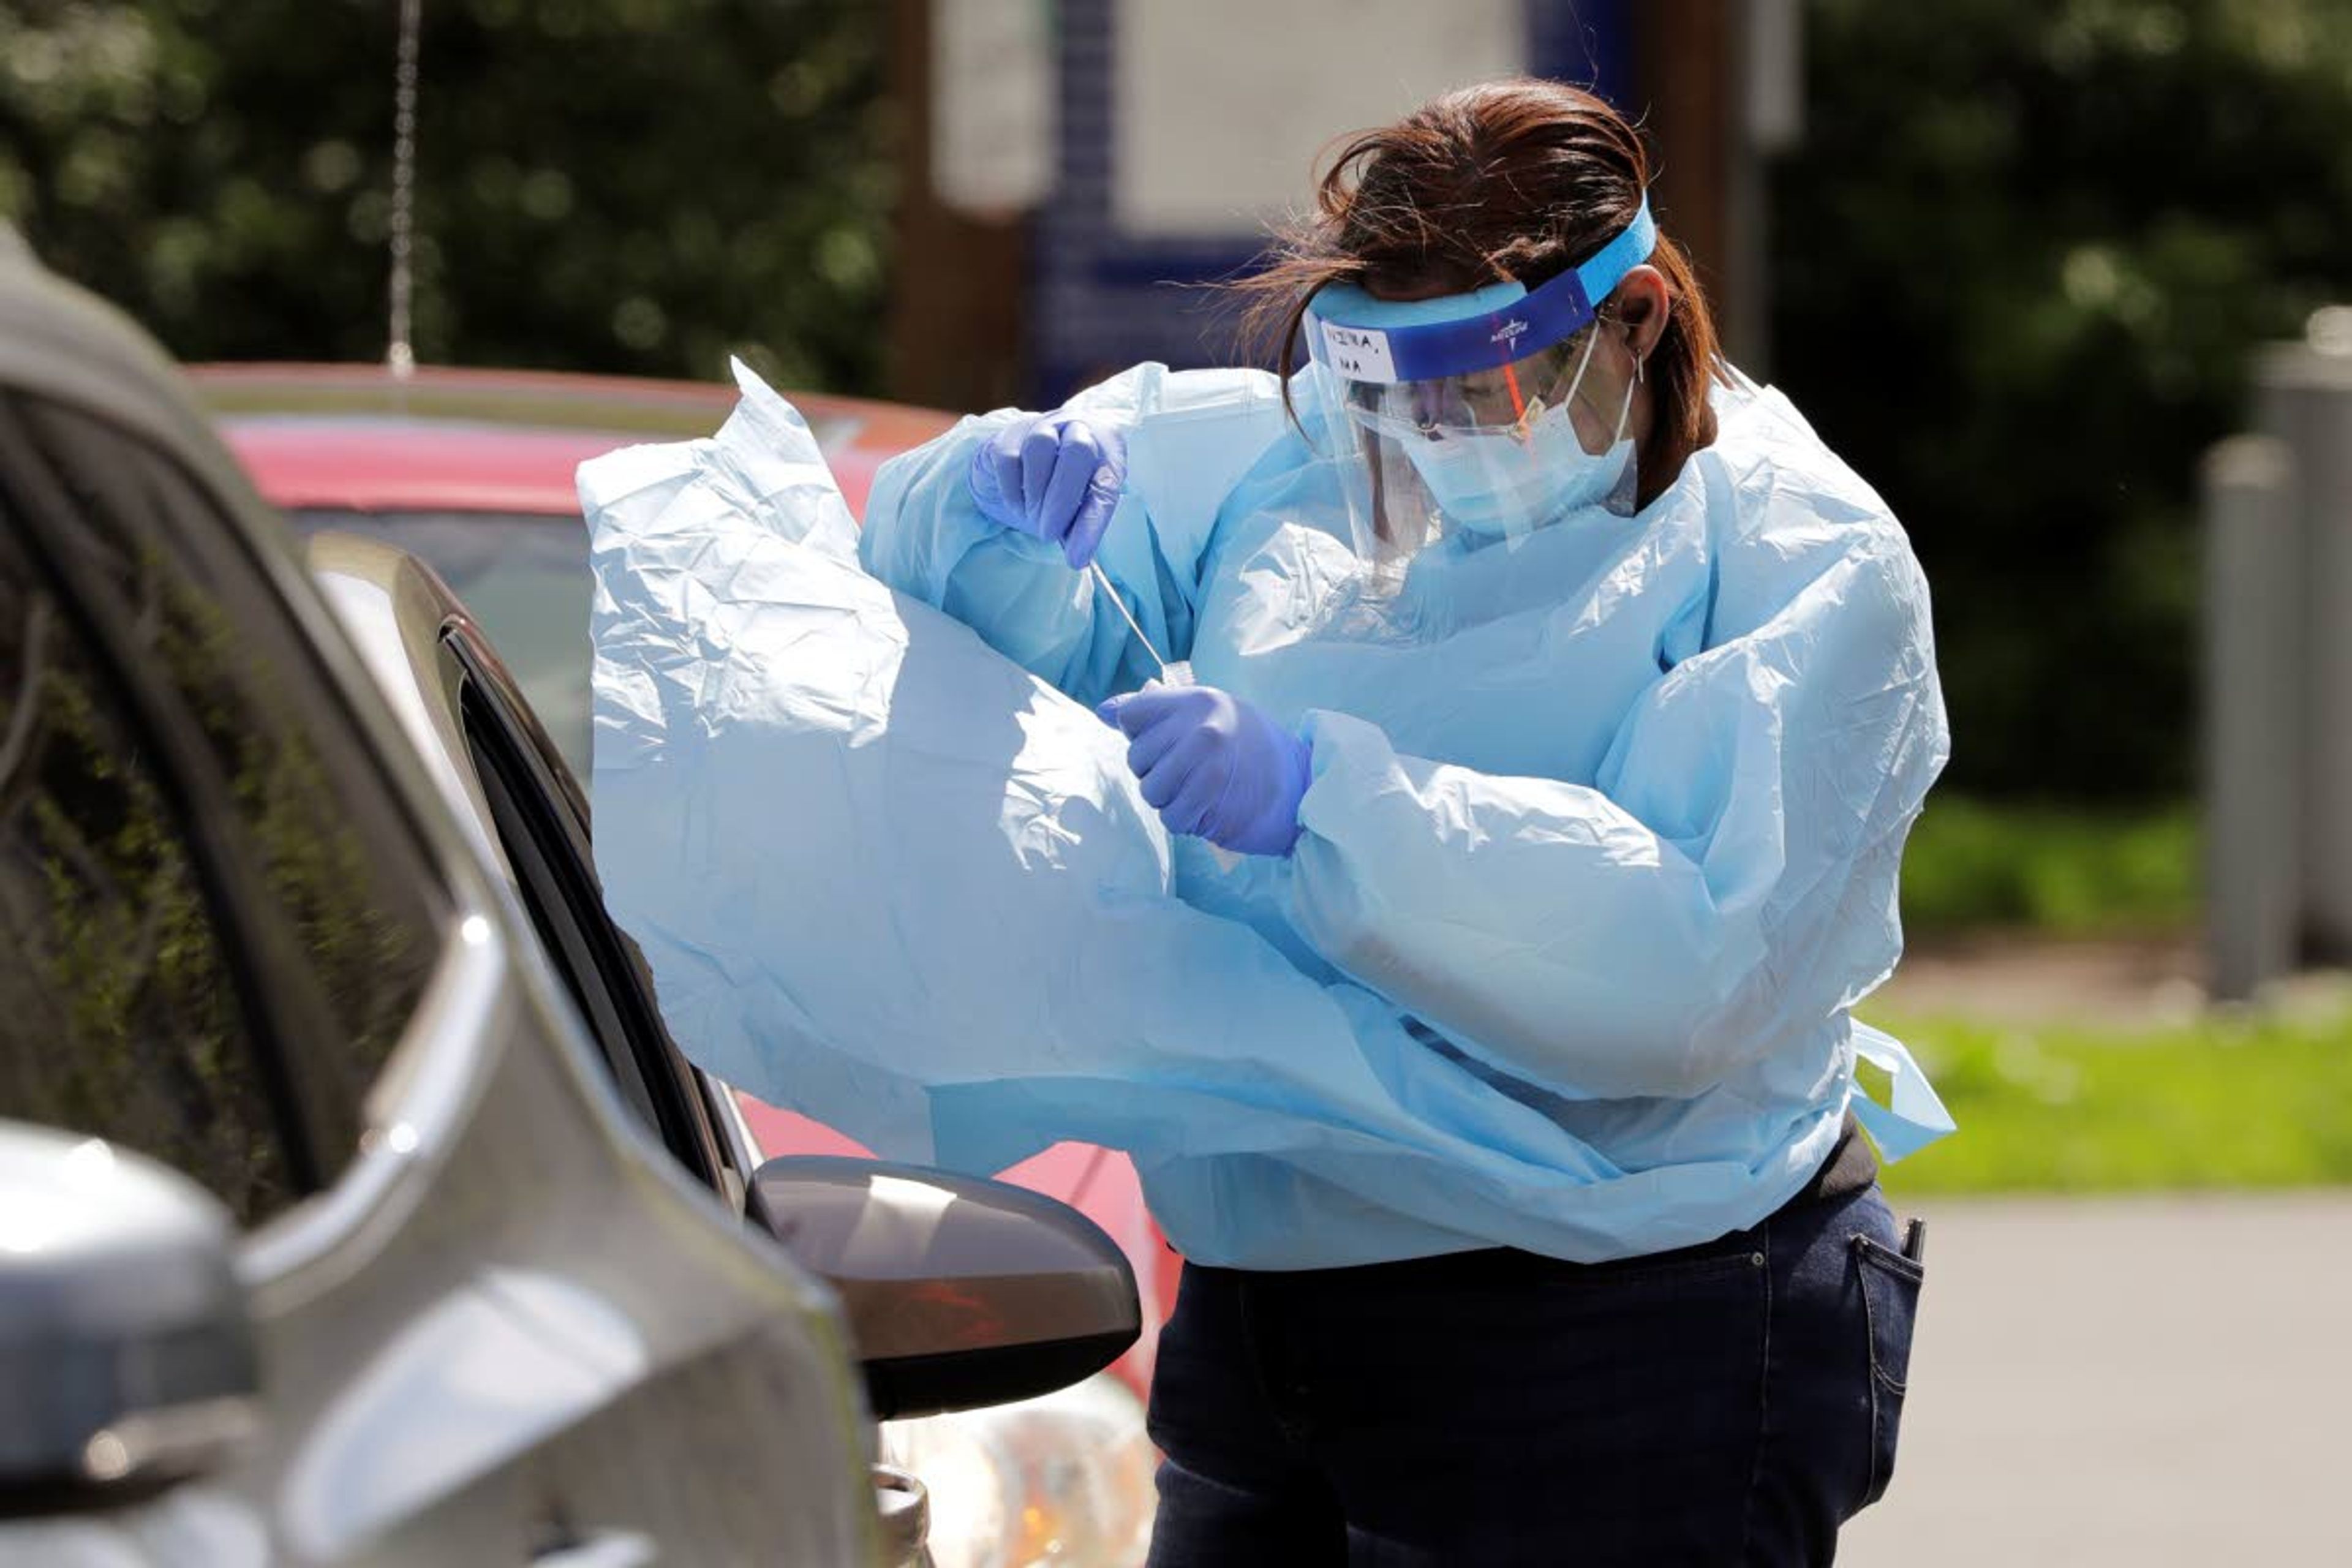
point(1359, 354)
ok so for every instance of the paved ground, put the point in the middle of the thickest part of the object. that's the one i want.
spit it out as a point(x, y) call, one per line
point(2144, 1381)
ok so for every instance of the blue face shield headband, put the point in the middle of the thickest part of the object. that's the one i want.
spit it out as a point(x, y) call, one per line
point(1390, 343)
point(1452, 414)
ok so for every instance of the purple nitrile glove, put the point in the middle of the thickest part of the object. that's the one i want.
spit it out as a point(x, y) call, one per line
point(1215, 766)
point(1054, 476)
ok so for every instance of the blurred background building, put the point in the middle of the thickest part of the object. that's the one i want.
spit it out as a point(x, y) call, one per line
point(1097, 166)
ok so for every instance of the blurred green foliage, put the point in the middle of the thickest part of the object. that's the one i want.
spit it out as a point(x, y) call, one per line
point(2067, 870)
point(2258, 1100)
point(630, 185)
point(2019, 261)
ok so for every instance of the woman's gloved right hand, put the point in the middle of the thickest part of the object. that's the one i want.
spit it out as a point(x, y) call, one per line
point(1054, 476)
point(1216, 766)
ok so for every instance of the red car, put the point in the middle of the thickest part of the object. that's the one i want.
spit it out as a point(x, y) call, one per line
point(471, 471)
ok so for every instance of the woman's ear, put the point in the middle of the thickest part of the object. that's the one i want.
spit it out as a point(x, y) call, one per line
point(1640, 302)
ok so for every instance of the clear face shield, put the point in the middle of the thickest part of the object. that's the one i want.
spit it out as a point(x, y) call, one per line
point(1484, 417)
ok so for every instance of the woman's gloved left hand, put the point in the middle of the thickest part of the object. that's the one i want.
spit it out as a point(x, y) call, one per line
point(1215, 766)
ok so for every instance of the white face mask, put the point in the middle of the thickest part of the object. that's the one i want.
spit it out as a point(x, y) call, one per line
point(1511, 482)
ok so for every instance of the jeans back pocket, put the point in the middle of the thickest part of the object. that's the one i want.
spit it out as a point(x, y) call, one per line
point(1890, 1299)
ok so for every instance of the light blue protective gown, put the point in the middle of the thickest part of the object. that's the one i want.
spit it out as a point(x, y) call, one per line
point(1603, 840)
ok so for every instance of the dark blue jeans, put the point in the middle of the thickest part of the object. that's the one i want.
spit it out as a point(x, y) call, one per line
point(1727, 1404)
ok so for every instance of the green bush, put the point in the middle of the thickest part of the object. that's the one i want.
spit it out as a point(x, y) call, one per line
point(2018, 263)
point(2067, 871)
point(630, 185)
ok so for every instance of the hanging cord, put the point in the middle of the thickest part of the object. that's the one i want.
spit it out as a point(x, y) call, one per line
point(400, 355)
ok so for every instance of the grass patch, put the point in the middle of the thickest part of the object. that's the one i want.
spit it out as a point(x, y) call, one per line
point(2068, 871)
point(2228, 1102)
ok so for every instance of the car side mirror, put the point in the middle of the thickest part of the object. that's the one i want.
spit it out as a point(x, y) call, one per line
point(125, 1345)
point(959, 1291)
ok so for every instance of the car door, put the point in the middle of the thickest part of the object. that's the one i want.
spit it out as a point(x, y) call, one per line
point(1073, 1467)
point(1074, 1464)
point(540, 820)
point(245, 937)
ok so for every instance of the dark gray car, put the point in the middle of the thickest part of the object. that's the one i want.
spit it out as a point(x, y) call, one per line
point(354, 1207)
